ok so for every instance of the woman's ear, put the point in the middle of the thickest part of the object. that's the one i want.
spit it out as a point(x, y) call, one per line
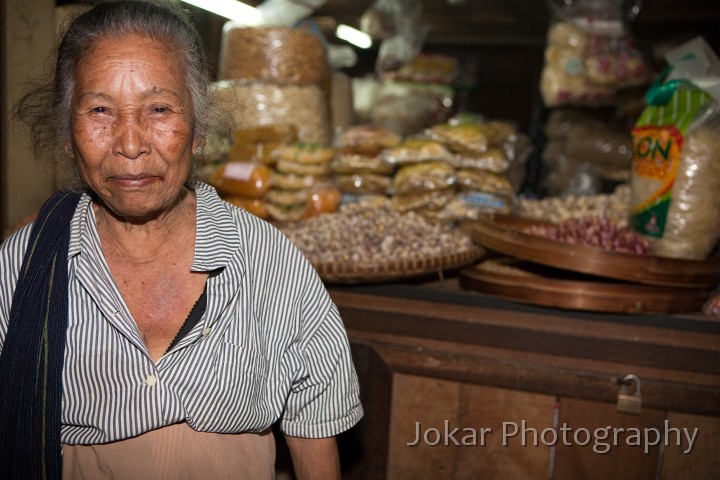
point(198, 145)
point(68, 149)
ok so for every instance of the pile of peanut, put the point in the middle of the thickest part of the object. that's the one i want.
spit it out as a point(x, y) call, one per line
point(614, 207)
point(360, 233)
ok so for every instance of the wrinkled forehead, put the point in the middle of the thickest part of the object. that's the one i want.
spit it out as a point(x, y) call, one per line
point(131, 56)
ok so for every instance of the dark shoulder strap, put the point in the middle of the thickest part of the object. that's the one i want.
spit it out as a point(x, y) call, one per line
point(31, 360)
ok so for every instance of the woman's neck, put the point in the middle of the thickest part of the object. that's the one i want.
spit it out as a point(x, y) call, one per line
point(142, 241)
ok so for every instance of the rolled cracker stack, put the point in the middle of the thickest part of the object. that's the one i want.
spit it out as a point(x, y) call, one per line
point(299, 186)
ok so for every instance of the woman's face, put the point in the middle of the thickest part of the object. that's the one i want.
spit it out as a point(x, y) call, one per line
point(132, 125)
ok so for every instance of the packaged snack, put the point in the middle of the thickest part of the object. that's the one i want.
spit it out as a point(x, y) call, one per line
point(464, 137)
point(277, 133)
point(287, 198)
point(484, 181)
point(493, 160)
point(280, 55)
point(423, 177)
point(367, 139)
point(291, 181)
point(676, 157)
point(416, 150)
point(259, 104)
point(411, 201)
point(304, 153)
point(365, 183)
point(287, 166)
point(324, 199)
point(349, 163)
point(590, 54)
point(253, 152)
point(242, 179)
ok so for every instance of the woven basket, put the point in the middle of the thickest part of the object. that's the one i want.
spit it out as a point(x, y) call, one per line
point(392, 270)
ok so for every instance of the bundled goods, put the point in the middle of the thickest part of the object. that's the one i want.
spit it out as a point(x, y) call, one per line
point(272, 75)
point(358, 168)
point(304, 107)
point(426, 68)
point(458, 170)
point(256, 144)
point(676, 157)
point(582, 150)
point(299, 185)
point(424, 188)
point(408, 108)
point(590, 55)
point(243, 184)
point(277, 55)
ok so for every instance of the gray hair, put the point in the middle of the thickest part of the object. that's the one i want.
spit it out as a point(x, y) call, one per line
point(161, 20)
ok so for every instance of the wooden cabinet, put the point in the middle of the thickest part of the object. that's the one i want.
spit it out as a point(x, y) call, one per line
point(459, 385)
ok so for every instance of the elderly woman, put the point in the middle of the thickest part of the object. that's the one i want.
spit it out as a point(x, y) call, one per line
point(148, 329)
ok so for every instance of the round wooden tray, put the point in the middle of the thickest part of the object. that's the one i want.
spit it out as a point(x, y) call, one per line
point(610, 297)
point(390, 270)
point(503, 235)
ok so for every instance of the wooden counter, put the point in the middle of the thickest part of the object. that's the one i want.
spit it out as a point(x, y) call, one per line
point(444, 357)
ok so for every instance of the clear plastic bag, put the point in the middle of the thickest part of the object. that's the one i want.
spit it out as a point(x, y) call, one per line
point(262, 104)
point(280, 55)
point(408, 33)
point(676, 164)
point(590, 53)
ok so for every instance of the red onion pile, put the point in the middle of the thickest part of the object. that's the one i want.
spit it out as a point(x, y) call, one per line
point(593, 231)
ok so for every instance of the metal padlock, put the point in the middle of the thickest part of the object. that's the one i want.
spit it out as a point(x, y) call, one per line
point(626, 402)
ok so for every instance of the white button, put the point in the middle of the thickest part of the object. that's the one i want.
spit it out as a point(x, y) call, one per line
point(151, 380)
point(206, 332)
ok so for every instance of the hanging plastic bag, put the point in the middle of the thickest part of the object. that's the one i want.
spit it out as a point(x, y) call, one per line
point(403, 35)
point(590, 53)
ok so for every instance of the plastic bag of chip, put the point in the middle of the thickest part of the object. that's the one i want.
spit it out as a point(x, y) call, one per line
point(423, 177)
point(416, 150)
point(590, 53)
point(676, 156)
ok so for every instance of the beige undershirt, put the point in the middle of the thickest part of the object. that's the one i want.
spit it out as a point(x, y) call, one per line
point(174, 452)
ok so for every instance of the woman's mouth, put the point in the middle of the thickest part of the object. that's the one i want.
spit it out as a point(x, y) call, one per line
point(134, 181)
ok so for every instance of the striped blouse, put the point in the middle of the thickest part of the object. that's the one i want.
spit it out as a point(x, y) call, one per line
point(271, 345)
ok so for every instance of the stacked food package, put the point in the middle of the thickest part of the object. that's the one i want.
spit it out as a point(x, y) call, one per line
point(300, 187)
point(450, 171)
point(583, 152)
point(590, 56)
point(358, 169)
point(274, 82)
point(274, 75)
point(592, 86)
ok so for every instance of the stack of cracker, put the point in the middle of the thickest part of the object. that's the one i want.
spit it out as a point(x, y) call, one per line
point(299, 186)
point(358, 168)
point(424, 180)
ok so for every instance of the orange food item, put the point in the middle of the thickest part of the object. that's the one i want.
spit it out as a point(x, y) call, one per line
point(323, 200)
point(242, 179)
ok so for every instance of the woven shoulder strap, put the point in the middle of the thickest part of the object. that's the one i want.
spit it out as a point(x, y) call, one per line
point(31, 360)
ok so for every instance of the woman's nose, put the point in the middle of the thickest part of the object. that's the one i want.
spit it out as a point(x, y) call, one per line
point(130, 136)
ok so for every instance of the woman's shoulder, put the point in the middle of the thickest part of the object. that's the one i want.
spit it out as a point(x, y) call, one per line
point(15, 243)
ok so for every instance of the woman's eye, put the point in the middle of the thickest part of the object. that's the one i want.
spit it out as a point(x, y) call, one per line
point(100, 110)
point(159, 109)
